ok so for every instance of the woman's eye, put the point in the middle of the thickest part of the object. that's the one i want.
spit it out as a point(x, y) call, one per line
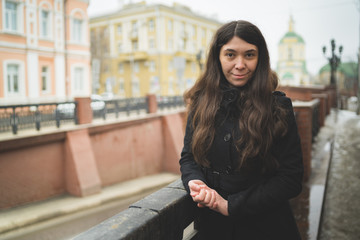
point(229, 54)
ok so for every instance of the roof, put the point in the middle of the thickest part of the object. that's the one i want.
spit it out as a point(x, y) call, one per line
point(292, 35)
point(350, 69)
point(288, 75)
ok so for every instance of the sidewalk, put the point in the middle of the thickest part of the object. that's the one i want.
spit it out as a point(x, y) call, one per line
point(21, 217)
point(340, 218)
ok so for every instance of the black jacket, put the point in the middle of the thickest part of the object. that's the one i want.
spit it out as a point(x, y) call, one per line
point(257, 203)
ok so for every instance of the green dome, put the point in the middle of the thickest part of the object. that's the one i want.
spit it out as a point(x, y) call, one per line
point(288, 76)
point(349, 69)
point(292, 35)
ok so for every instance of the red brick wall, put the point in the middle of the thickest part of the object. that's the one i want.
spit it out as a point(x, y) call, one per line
point(304, 122)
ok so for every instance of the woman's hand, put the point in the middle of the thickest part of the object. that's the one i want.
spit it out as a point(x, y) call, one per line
point(207, 197)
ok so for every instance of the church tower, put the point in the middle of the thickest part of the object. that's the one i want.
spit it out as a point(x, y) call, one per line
point(291, 66)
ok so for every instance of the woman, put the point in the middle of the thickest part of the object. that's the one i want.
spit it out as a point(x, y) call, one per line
point(242, 159)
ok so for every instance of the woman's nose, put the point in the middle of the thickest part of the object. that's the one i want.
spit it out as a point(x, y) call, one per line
point(239, 63)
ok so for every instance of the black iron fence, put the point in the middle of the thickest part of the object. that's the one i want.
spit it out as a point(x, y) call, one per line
point(14, 118)
point(116, 106)
point(35, 116)
point(170, 102)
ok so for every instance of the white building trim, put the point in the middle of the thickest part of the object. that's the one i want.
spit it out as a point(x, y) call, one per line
point(59, 73)
point(33, 74)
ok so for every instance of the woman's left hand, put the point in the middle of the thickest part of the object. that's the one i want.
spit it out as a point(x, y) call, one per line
point(208, 197)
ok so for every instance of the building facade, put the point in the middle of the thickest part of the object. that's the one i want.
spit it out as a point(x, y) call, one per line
point(291, 66)
point(142, 49)
point(44, 50)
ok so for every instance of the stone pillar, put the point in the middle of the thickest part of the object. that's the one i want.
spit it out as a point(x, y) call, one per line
point(152, 103)
point(304, 111)
point(81, 173)
point(173, 141)
point(84, 111)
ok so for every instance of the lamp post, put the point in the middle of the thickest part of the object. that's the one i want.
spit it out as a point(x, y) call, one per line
point(334, 61)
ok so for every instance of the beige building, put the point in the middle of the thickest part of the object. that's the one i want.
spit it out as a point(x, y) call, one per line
point(141, 49)
point(44, 50)
point(291, 66)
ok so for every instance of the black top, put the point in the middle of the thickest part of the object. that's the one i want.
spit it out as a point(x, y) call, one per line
point(250, 193)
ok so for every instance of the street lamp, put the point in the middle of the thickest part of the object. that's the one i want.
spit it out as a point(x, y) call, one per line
point(334, 61)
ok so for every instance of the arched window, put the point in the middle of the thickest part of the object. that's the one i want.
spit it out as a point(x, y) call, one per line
point(77, 26)
point(45, 20)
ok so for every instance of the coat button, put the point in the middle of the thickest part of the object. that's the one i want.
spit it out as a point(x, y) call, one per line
point(227, 137)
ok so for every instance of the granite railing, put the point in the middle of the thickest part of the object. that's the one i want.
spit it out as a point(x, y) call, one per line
point(165, 214)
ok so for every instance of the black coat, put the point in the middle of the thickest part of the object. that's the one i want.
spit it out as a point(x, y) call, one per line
point(257, 203)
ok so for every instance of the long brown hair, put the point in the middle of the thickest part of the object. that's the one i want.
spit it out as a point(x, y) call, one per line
point(261, 119)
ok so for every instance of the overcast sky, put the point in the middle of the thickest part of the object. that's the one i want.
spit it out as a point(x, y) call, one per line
point(317, 21)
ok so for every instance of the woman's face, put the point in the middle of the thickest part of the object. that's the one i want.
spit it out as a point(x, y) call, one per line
point(238, 60)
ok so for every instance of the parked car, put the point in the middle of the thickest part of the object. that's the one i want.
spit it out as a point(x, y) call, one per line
point(67, 110)
point(107, 96)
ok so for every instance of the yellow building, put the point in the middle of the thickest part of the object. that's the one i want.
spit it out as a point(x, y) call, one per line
point(291, 66)
point(141, 49)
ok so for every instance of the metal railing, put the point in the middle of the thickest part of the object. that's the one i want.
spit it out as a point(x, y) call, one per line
point(14, 118)
point(116, 106)
point(170, 102)
point(35, 116)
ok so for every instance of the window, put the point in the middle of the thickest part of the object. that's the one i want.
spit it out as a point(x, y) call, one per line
point(119, 29)
point(77, 30)
point(121, 86)
point(121, 68)
point(13, 79)
point(152, 43)
point(170, 44)
point(182, 44)
point(192, 30)
point(119, 47)
point(45, 24)
point(78, 79)
point(203, 32)
point(11, 16)
point(171, 85)
point(134, 27)
point(134, 45)
point(155, 85)
point(290, 53)
point(136, 66)
point(135, 87)
point(151, 25)
point(170, 66)
point(170, 25)
point(45, 79)
point(152, 66)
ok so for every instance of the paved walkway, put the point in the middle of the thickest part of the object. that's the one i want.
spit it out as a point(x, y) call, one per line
point(14, 222)
point(341, 213)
